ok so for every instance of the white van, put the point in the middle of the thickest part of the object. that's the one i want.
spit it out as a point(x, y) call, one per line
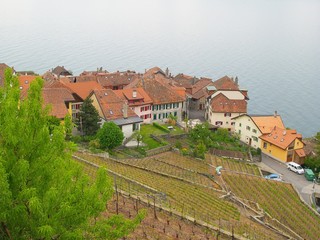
point(295, 167)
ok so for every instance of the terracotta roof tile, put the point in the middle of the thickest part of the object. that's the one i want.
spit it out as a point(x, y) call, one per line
point(115, 79)
point(160, 93)
point(25, 80)
point(220, 103)
point(266, 123)
point(111, 105)
point(301, 152)
point(225, 83)
point(83, 89)
point(281, 137)
point(57, 98)
point(128, 94)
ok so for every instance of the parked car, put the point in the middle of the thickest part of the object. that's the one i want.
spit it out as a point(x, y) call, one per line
point(308, 173)
point(274, 176)
point(295, 167)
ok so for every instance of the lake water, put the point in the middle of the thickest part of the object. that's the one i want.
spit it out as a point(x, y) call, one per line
point(273, 46)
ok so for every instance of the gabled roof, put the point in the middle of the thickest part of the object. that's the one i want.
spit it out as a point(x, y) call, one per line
point(268, 122)
point(111, 105)
point(201, 85)
point(159, 92)
point(48, 76)
point(221, 104)
point(25, 80)
point(61, 71)
point(225, 83)
point(117, 78)
point(58, 99)
point(134, 94)
point(83, 89)
point(280, 137)
point(300, 152)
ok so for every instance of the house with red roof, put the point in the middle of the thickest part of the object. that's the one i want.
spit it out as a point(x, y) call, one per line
point(250, 127)
point(284, 145)
point(224, 102)
point(112, 108)
point(139, 101)
point(166, 98)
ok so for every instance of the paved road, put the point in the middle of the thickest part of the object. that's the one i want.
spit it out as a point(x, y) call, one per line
point(304, 187)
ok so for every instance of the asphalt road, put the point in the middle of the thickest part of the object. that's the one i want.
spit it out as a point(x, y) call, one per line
point(304, 187)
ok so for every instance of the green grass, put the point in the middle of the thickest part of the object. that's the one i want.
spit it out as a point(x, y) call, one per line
point(148, 129)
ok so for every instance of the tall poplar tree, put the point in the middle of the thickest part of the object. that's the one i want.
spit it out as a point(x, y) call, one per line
point(44, 194)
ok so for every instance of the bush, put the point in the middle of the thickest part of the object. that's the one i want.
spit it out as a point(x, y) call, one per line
point(178, 144)
point(94, 144)
point(184, 151)
point(161, 127)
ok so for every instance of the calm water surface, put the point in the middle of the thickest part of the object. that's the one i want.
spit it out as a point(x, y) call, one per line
point(273, 46)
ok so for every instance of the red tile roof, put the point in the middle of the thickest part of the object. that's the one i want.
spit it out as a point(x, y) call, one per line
point(115, 79)
point(220, 103)
point(159, 92)
point(58, 99)
point(128, 94)
point(111, 105)
point(25, 80)
point(280, 137)
point(225, 83)
point(83, 89)
point(301, 152)
point(266, 123)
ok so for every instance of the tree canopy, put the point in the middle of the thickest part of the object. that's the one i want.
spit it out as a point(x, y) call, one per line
point(88, 118)
point(44, 194)
point(110, 136)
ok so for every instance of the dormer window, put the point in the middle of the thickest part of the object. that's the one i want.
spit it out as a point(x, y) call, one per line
point(111, 112)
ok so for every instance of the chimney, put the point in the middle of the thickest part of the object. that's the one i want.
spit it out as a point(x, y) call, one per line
point(134, 93)
point(125, 110)
point(236, 80)
point(275, 114)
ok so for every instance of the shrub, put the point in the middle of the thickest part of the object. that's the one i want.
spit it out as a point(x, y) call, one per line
point(157, 125)
point(178, 144)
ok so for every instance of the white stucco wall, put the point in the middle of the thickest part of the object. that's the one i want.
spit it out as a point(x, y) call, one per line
point(127, 130)
point(220, 117)
point(168, 111)
point(241, 128)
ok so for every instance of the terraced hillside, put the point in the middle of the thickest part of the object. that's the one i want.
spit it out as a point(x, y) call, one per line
point(277, 199)
point(180, 193)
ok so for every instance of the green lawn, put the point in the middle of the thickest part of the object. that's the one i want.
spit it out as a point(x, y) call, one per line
point(148, 129)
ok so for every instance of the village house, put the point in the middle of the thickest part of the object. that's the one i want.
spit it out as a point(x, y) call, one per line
point(139, 101)
point(112, 108)
point(81, 90)
point(116, 80)
point(225, 101)
point(284, 145)
point(250, 127)
point(60, 71)
point(167, 99)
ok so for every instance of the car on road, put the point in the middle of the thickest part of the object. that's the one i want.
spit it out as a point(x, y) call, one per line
point(295, 167)
point(274, 176)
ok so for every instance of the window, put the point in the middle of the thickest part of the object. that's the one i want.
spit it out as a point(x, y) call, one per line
point(254, 130)
point(163, 115)
point(233, 123)
point(153, 108)
point(255, 138)
point(219, 123)
point(239, 131)
point(239, 124)
point(154, 116)
point(265, 145)
point(248, 128)
point(227, 114)
point(146, 108)
point(159, 116)
point(175, 114)
point(141, 109)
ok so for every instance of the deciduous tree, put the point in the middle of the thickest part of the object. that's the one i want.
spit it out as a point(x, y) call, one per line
point(110, 136)
point(44, 194)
